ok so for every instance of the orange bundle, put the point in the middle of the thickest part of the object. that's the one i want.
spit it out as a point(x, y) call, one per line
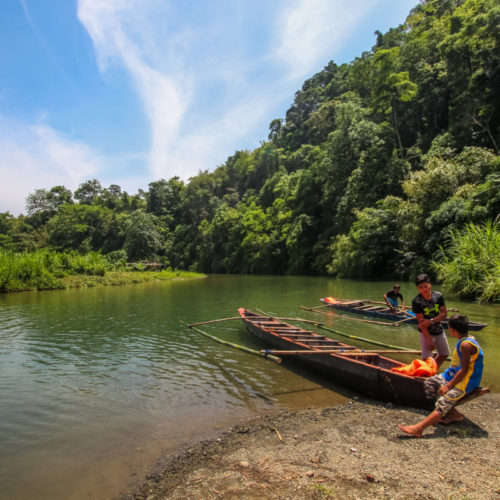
point(418, 368)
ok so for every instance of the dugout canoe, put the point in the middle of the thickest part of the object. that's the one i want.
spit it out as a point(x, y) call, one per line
point(368, 308)
point(369, 373)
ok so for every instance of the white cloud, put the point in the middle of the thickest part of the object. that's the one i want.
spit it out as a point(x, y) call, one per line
point(164, 97)
point(309, 30)
point(36, 157)
point(171, 78)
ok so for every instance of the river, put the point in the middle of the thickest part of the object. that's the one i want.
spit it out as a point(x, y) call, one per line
point(98, 385)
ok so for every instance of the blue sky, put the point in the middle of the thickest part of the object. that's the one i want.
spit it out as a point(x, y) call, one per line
point(132, 91)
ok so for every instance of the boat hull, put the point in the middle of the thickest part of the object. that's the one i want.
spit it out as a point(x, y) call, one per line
point(370, 374)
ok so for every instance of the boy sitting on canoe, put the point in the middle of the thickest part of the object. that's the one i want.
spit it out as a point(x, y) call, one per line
point(461, 378)
point(392, 296)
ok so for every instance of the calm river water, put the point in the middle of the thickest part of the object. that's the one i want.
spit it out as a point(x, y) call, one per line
point(97, 385)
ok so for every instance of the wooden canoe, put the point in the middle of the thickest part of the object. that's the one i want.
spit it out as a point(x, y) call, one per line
point(369, 373)
point(366, 308)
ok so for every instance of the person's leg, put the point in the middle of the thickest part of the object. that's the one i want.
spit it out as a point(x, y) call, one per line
point(393, 304)
point(426, 349)
point(417, 429)
point(447, 405)
point(442, 348)
point(452, 416)
point(432, 384)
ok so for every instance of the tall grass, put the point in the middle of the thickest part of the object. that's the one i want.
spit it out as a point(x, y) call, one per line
point(43, 269)
point(470, 264)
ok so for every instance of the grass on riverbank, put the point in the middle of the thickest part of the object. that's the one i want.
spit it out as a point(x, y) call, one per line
point(125, 278)
point(46, 270)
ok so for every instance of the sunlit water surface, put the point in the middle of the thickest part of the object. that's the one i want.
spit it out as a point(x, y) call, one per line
point(99, 385)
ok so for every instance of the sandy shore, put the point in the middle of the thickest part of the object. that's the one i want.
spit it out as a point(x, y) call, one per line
point(350, 451)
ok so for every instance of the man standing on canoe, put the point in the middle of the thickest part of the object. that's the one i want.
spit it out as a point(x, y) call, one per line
point(430, 310)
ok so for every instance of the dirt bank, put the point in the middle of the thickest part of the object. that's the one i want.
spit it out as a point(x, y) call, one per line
point(350, 451)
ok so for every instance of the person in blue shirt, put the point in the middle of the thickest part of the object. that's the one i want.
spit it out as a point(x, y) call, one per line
point(462, 377)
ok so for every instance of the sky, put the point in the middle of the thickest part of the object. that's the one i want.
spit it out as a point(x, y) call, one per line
point(133, 91)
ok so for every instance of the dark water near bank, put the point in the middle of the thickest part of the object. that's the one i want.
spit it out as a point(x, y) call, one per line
point(97, 385)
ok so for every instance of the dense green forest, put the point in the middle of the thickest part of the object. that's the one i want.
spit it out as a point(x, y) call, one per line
point(384, 167)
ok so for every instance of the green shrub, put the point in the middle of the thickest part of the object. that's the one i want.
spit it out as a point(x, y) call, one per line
point(117, 259)
point(470, 264)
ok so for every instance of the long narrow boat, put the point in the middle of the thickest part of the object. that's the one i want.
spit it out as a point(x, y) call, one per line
point(367, 308)
point(369, 373)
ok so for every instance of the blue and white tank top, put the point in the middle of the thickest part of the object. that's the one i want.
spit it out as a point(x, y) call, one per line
point(475, 370)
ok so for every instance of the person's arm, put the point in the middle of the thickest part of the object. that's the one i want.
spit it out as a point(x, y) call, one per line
point(422, 325)
point(402, 302)
point(428, 322)
point(467, 349)
point(387, 300)
point(442, 310)
point(442, 315)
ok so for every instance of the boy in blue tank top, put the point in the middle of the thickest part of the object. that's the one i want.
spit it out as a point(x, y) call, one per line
point(463, 376)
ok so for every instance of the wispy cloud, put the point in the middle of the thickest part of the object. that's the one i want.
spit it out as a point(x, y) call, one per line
point(172, 81)
point(37, 156)
point(309, 31)
point(164, 97)
point(172, 66)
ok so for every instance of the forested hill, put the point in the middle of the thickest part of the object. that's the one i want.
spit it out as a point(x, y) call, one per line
point(376, 163)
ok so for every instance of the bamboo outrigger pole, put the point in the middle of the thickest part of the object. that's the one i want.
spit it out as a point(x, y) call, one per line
point(374, 342)
point(340, 351)
point(213, 321)
point(239, 317)
point(235, 346)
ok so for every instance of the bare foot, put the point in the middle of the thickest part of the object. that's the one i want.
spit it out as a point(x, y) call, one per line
point(412, 430)
point(453, 416)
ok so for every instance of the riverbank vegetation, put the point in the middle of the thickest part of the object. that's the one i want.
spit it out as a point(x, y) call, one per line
point(379, 169)
point(470, 265)
point(44, 269)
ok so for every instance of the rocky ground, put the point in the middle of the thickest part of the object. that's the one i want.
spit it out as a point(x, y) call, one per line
point(351, 451)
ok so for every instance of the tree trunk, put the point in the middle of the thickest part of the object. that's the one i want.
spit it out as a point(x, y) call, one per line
point(396, 127)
